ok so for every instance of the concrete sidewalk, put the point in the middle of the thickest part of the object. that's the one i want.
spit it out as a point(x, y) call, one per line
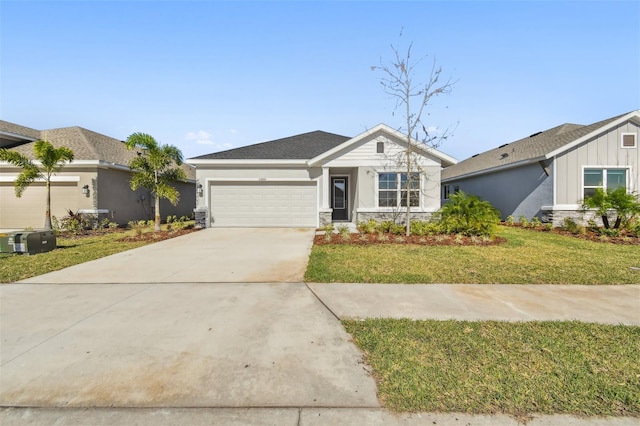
point(610, 304)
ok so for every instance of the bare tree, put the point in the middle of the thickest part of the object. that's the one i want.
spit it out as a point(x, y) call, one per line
point(412, 93)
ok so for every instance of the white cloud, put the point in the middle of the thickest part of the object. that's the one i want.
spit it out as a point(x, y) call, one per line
point(202, 137)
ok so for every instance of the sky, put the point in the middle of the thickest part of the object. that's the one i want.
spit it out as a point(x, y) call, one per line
point(207, 76)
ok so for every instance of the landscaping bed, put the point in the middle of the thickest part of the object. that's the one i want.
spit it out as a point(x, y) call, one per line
point(430, 240)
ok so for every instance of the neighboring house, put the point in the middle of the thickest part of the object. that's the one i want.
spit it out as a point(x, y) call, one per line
point(96, 182)
point(549, 173)
point(316, 178)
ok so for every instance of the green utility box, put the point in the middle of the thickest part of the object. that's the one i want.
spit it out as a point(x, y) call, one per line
point(32, 242)
point(5, 247)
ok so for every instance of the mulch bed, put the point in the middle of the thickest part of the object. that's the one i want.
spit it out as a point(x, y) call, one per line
point(158, 236)
point(436, 240)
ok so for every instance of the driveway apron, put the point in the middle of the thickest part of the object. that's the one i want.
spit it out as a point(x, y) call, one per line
point(165, 326)
point(222, 255)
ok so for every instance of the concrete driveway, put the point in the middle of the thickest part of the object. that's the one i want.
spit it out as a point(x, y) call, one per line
point(210, 255)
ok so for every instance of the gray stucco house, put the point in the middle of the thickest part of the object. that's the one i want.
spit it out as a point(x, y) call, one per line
point(315, 178)
point(548, 174)
point(96, 182)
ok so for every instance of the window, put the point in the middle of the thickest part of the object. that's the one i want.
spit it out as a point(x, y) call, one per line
point(380, 148)
point(446, 191)
point(628, 140)
point(607, 179)
point(394, 189)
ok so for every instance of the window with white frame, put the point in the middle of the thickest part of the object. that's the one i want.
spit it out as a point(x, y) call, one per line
point(608, 179)
point(628, 140)
point(394, 189)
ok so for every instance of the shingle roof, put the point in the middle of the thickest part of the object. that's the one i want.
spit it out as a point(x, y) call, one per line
point(299, 147)
point(88, 145)
point(529, 148)
point(12, 134)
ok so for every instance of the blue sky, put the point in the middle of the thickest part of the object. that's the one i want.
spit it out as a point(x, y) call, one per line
point(212, 75)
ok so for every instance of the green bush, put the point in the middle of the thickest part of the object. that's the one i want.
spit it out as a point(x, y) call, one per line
point(386, 226)
point(368, 227)
point(423, 227)
point(510, 220)
point(626, 206)
point(570, 225)
point(535, 222)
point(524, 222)
point(468, 215)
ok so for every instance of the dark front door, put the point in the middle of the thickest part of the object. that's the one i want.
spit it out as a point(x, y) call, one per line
point(339, 198)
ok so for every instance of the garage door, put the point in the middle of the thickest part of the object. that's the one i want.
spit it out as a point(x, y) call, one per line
point(264, 204)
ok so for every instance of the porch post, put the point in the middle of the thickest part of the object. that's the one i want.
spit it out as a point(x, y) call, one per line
point(326, 182)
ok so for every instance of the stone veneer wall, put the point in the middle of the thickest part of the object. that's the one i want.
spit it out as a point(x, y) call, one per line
point(325, 218)
point(384, 216)
point(557, 217)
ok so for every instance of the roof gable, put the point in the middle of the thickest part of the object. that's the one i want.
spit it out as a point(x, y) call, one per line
point(299, 147)
point(539, 146)
point(399, 137)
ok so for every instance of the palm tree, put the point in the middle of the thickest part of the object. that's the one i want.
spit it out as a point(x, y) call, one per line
point(51, 160)
point(156, 167)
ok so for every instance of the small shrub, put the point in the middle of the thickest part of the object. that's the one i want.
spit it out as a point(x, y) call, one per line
point(548, 227)
point(368, 227)
point(422, 227)
point(399, 239)
point(524, 222)
point(328, 228)
point(510, 220)
point(570, 225)
point(610, 232)
point(113, 225)
point(344, 232)
point(382, 236)
point(386, 226)
point(535, 222)
point(398, 229)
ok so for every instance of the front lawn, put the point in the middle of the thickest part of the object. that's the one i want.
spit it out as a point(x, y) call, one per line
point(497, 367)
point(74, 250)
point(528, 257)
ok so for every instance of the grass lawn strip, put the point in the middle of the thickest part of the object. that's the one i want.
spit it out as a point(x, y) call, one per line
point(69, 252)
point(498, 367)
point(528, 257)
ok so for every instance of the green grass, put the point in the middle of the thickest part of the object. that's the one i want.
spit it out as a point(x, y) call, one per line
point(14, 267)
point(528, 257)
point(497, 367)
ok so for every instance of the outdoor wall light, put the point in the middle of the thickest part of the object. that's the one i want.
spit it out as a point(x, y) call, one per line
point(85, 190)
point(200, 190)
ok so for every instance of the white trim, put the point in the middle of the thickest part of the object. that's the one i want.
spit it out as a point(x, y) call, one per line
point(604, 177)
point(204, 162)
point(562, 207)
point(555, 181)
point(635, 140)
point(271, 179)
point(53, 179)
point(93, 211)
point(596, 132)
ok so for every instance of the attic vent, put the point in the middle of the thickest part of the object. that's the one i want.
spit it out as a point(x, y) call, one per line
point(503, 156)
point(502, 146)
point(535, 134)
point(474, 155)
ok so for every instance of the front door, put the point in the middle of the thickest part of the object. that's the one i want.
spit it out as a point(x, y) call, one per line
point(339, 198)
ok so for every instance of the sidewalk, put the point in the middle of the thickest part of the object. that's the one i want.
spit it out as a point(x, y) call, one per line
point(608, 304)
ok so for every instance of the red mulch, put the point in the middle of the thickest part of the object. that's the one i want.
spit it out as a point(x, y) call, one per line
point(158, 236)
point(438, 240)
point(590, 235)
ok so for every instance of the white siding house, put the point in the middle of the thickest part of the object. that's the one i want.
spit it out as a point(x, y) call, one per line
point(315, 178)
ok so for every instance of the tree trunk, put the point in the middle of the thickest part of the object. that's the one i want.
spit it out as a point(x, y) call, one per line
point(605, 221)
point(47, 219)
point(157, 213)
point(618, 222)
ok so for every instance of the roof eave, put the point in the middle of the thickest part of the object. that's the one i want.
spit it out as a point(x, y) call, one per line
point(494, 169)
point(236, 162)
point(633, 114)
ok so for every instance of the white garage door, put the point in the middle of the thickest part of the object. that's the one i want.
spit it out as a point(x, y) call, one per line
point(264, 204)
